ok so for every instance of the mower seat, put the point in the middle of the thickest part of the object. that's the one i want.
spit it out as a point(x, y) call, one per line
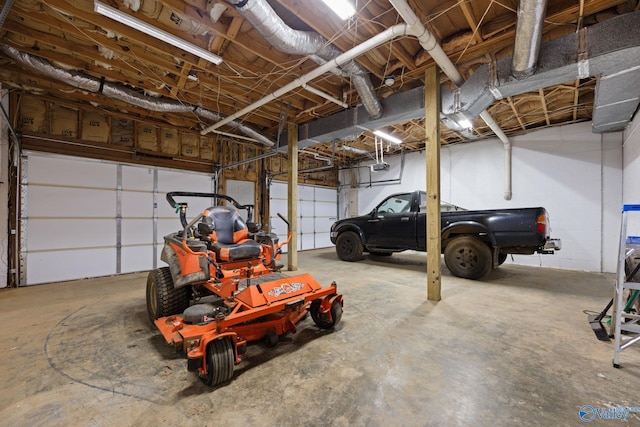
point(229, 234)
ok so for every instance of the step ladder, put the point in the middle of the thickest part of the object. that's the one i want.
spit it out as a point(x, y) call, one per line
point(628, 258)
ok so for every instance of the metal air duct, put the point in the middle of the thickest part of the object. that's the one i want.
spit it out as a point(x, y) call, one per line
point(123, 93)
point(608, 50)
point(528, 37)
point(284, 38)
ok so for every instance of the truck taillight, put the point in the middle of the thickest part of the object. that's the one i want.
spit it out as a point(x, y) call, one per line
point(542, 223)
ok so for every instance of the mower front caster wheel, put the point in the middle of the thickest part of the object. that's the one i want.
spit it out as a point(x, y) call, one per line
point(321, 319)
point(220, 362)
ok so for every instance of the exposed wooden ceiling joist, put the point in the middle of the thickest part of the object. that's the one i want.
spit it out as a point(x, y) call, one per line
point(71, 35)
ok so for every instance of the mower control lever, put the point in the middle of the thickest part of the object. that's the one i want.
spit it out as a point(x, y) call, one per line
point(286, 242)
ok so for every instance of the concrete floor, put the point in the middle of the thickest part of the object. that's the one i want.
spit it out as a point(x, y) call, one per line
point(513, 349)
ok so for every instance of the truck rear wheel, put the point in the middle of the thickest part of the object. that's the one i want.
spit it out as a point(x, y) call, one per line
point(468, 257)
point(348, 246)
point(162, 298)
point(502, 258)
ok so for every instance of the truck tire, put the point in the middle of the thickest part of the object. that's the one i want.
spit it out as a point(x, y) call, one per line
point(163, 299)
point(468, 257)
point(502, 258)
point(348, 246)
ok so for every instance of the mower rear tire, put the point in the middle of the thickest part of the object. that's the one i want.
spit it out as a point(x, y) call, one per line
point(220, 362)
point(336, 314)
point(162, 298)
point(468, 257)
point(348, 246)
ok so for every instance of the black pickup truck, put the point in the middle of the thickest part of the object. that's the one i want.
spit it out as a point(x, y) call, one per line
point(473, 242)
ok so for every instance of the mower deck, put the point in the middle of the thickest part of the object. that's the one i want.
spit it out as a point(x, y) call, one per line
point(278, 305)
point(252, 300)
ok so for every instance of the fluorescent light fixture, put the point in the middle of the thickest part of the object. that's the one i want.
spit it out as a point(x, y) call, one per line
point(342, 8)
point(130, 21)
point(387, 137)
point(464, 123)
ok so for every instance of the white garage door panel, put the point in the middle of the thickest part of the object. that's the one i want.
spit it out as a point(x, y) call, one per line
point(137, 232)
point(137, 205)
point(316, 212)
point(326, 209)
point(278, 207)
point(53, 234)
point(306, 208)
point(306, 192)
point(182, 181)
point(70, 227)
point(70, 172)
point(323, 225)
point(137, 258)
point(323, 240)
point(325, 195)
point(307, 241)
point(68, 265)
point(137, 179)
point(278, 190)
point(61, 202)
point(306, 225)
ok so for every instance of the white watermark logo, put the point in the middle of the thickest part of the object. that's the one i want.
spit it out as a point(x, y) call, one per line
point(589, 413)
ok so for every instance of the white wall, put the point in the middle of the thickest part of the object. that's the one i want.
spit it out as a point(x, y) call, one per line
point(631, 155)
point(631, 175)
point(575, 174)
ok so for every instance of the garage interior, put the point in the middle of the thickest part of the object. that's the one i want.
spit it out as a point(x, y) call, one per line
point(284, 105)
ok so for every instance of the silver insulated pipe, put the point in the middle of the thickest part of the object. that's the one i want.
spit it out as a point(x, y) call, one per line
point(123, 93)
point(296, 42)
point(528, 37)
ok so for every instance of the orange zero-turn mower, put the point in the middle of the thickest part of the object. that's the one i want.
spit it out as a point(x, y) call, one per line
point(223, 289)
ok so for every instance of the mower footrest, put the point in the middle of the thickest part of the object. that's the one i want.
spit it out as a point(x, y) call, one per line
point(292, 305)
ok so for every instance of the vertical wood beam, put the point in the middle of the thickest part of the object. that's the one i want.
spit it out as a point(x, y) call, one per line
point(432, 127)
point(292, 196)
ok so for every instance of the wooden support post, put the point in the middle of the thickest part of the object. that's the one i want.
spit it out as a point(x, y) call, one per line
point(432, 127)
point(292, 196)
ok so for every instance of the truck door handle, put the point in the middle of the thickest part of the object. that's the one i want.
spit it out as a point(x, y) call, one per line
point(404, 219)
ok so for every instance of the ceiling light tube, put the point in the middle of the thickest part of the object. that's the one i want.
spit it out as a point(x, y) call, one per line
point(342, 8)
point(387, 137)
point(465, 124)
point(130, 21)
